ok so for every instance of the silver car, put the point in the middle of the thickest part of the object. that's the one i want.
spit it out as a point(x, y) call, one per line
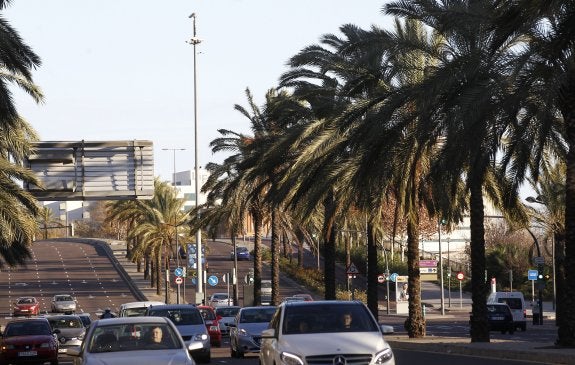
point(246, 330)
point(191, 326)
point(63, 303)
point(328, 332)
point(69, 329)
point(132, 340)
point(226, 315)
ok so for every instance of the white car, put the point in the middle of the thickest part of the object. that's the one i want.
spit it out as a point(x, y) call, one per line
point(226, 316)
point(132, 340)
point(329, 331)
point(220, 299)
point(63, 303)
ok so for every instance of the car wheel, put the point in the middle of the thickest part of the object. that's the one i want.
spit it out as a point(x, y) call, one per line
point(511, 331)
point(54, 362)
point(524, 327)
point(503, 332)
point(206, 359)
point(233, 354)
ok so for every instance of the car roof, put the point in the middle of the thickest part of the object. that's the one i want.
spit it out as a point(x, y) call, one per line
point(321, 302)
point(131, 320)
point(174, 306)
point(140, 304)
point(35, 319)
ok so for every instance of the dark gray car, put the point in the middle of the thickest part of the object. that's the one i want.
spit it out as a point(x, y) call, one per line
point(69, 329)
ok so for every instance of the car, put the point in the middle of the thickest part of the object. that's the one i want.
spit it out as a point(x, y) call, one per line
point(190, 325)
point(243, 253)
point(69, 330)
point(293, 299)
point(135, 309)
point(26, 306)
point(226, 315)
point(212, 324)
point(132, 340)
point(306, 297)
point(63, 303)
point(246, 330)
point(500, 318)
point(85, 318)
point(516, 303)
point(327, 331)
point(28, 340)
point(219, 299)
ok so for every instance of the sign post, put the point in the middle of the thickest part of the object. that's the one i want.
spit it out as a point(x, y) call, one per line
point(460, 277)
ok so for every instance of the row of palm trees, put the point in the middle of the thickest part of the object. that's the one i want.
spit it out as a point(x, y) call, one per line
point(460, 102)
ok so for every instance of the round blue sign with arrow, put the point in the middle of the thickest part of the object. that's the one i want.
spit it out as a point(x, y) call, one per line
point(179, 271)
point(213, 280)
point(393, 277)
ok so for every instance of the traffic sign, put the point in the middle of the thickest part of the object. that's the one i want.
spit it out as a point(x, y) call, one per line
point(381, 278)
point(178, 271)
point(179, 280)
point(460, 276)
point(538, 260)
point(532, 274)
point(393, 277)
point(352, 269)
point(213, 280)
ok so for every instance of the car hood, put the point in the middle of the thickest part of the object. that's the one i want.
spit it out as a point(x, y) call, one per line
point(64, 304)
point(16, 340)
point(71, 332)
point(146, 356)
point(26, 306)
point(333, 343)
point(254, 328)
point(192, 329)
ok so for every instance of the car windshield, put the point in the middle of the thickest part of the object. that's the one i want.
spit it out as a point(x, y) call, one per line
point(499, 309)
point(134, 312)
point(27, 328)
point(180, 317)
point(257, 315)
point(227, 312)
point(327, 318)
point(64, 299)
point(132, 337)
point(61, 323)
point(207, 314)
point(219, 296)
point(26, 301)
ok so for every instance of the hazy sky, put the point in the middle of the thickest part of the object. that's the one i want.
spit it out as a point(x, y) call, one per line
point(122, 70)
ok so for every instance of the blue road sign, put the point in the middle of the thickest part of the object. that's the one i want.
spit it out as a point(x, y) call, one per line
point(532, 274)
point(393, 277)
point(178, 271)
point(213, 280)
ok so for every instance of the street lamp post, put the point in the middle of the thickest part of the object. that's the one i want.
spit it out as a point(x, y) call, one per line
point(200, 275)
point(540, 200)
point(176, 219)
point(539, 278)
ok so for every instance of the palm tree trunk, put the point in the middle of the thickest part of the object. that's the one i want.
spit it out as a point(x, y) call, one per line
point(257, 216)
point(372, 297)
point(275, 259)
point(560, 282)
point(329, 237)
point(566, 330)
point(415, 323)
point(479, 287)
point(158, 270)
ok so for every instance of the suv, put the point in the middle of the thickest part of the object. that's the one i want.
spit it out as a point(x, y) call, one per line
point(324, 331)
point(500, 318)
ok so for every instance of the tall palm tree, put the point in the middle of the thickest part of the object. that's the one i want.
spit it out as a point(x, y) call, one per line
point(46, 220)
point(464, 96)
point(17, 207)
point(547, 76)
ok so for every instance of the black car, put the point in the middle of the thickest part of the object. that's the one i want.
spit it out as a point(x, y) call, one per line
point(500, 318)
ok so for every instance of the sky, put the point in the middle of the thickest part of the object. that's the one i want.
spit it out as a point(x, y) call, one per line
point(123, 70)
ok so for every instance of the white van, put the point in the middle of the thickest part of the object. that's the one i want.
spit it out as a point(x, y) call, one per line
point(516, 302)
point(136, 309)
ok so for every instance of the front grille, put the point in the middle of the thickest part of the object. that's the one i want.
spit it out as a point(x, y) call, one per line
point(187, 338)
point(350, 359)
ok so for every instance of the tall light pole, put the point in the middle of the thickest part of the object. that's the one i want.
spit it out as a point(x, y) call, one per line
point(200, 277)
point(539, 278)
point(175, 218)
point(541, 200)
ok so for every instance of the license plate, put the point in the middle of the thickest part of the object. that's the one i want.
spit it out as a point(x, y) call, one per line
point(498, 318)
point(28, 353)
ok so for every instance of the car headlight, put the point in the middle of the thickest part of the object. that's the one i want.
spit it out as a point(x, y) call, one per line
point(47, 345)
point(200, 337)
point(383, 356)
point(8, 347)
point(244, 333)
point(291, 359)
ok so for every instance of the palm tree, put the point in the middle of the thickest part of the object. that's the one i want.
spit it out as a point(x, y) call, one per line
point(46, 220)
point(464, 96)
point(546, 81)
point(18, 208)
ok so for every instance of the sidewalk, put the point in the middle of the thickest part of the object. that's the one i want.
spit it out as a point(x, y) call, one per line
point(503, 349)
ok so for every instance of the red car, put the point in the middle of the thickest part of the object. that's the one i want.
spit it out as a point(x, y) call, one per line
point(212, 324)
point(26, 306)
point(26, 341)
